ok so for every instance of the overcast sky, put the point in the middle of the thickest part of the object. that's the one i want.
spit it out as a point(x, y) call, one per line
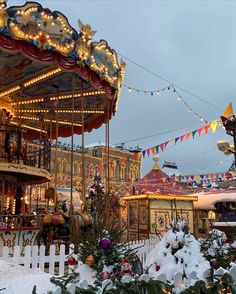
point(190, 43)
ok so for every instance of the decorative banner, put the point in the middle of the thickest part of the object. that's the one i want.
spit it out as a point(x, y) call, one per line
point(185, 137)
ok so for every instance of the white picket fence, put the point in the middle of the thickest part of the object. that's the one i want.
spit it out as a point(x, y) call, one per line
point(55, 262)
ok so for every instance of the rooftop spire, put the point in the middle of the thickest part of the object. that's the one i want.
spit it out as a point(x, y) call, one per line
point(156, 165)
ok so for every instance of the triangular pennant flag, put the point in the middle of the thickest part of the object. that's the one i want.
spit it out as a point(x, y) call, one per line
point(197, 178)
point(228, 111)
point(144, 152)
point(192, 177)
point(176, 139)
point(153, 149)
point(157, 148)
point(214, 126)
point(181, 138)
point(200, 131)
point(148, 152)
point(162, 146)
point(166, 143)
point(202, 177)
point(206, 128)
point(187, 136)
point(194, 133)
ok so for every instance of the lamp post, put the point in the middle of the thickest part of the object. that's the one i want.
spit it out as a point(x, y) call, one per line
point(230, 126)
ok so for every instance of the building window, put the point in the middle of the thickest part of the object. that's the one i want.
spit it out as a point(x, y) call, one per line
point(64, 166)
point(75, 167)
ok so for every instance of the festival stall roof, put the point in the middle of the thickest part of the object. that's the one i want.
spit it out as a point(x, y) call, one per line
point(49, 71)
point(157, 182)
point(207, 200)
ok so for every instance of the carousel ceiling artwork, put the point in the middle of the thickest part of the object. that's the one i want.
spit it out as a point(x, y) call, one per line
point(45, 64)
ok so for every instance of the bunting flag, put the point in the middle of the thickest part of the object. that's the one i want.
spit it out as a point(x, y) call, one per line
point(162, 146)
point(213, 126)
point(200, 131)
point(153, 149)
point(187, 136)
point(180, 139)
point(206, 128)
point(176, 139)
point(213, 177)
point(194, 133)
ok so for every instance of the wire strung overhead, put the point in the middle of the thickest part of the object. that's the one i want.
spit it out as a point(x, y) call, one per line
point(169, 82)
point(161, 90)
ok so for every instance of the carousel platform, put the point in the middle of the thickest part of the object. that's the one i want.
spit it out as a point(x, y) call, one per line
point(25, 174)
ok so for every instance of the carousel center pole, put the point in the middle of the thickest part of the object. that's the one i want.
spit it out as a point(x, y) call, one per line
point(72, 148)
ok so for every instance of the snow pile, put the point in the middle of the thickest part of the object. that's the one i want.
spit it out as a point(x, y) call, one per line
point(17, 280)
point(178, 251)
point(86, 273)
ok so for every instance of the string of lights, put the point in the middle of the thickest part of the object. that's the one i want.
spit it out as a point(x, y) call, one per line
point(159, 91)
point(169, 82)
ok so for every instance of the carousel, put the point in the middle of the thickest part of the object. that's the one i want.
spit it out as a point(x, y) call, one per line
point(54, 82)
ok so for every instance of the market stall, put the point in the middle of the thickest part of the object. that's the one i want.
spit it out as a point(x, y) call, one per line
point(154, 201)
point(215, 208)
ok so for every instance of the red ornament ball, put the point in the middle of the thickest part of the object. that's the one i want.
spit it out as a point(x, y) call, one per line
point(158, 267)
point(71, 260)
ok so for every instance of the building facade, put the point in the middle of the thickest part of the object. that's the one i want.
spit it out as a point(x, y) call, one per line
point(124, 169)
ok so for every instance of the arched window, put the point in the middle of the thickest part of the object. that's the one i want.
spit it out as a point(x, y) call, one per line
point(58, 165)
point(64, 166)
point(75, 167)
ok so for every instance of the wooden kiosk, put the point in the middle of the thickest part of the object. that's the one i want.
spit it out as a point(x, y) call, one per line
point(156, 200)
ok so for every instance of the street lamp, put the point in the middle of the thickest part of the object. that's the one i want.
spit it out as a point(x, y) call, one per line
point(229, 122)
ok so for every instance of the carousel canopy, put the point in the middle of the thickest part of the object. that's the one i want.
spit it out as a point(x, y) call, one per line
point(207, 200)
point(49, 71)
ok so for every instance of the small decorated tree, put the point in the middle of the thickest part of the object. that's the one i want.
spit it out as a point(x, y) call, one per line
point(216, 249)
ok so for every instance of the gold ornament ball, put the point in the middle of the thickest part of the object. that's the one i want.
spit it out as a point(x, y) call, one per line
point(90, 261)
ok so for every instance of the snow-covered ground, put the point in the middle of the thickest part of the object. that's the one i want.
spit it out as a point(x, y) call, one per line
point(18, 280)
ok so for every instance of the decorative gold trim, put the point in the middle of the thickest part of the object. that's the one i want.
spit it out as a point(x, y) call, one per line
point(162, 197)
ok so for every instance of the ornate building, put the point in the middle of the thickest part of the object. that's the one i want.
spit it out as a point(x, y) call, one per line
point(124, 169)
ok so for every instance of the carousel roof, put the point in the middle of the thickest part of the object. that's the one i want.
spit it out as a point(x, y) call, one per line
point(49, 71)
point(207, 200)
point(158, 182)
